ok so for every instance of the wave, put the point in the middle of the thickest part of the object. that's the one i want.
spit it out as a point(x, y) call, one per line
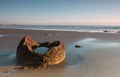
point(77, 28)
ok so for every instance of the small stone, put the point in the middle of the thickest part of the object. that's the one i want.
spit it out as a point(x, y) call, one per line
point(78, 46)
point(118, 32)
point(106, 31)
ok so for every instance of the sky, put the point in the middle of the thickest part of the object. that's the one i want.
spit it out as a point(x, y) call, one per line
point(60, 12)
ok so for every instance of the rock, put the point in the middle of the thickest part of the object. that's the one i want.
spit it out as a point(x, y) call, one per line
point(106, 31)
point(118, 31)
point(55, 54)
point(78, 46)
point(25, 53)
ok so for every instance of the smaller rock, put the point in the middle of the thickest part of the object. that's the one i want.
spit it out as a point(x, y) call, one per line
point(118, 32)
point(78, 46)
point(106, 31)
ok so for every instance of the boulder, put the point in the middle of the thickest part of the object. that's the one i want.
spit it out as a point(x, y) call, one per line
point(26, 55)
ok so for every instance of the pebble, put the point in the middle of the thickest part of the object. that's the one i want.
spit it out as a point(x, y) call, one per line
point(78, 46)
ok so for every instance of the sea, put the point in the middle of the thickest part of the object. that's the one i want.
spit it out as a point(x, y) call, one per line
point(79, 28)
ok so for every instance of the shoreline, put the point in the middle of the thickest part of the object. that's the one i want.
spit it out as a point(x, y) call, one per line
point(13, 36)
point(76, 28)
point(69, 30)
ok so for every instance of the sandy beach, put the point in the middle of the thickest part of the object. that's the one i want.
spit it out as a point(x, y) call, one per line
point(99, 56)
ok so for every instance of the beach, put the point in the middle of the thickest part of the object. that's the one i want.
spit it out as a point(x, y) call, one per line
point(99, 55)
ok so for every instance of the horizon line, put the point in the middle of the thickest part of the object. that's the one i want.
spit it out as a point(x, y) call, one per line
point(66, 24)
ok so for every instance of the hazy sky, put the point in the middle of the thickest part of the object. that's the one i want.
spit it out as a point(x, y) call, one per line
point(69, 12)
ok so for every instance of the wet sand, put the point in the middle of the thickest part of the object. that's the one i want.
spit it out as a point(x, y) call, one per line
point(99, 56)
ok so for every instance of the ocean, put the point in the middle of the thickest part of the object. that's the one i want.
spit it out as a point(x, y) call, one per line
point(79, 28)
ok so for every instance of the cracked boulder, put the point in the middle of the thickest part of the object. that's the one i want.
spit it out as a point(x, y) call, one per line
point(26, 54)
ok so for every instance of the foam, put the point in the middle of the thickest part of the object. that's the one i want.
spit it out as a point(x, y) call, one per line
point(91, 31)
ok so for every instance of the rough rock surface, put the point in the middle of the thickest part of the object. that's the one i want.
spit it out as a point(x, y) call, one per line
point(26, 55)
